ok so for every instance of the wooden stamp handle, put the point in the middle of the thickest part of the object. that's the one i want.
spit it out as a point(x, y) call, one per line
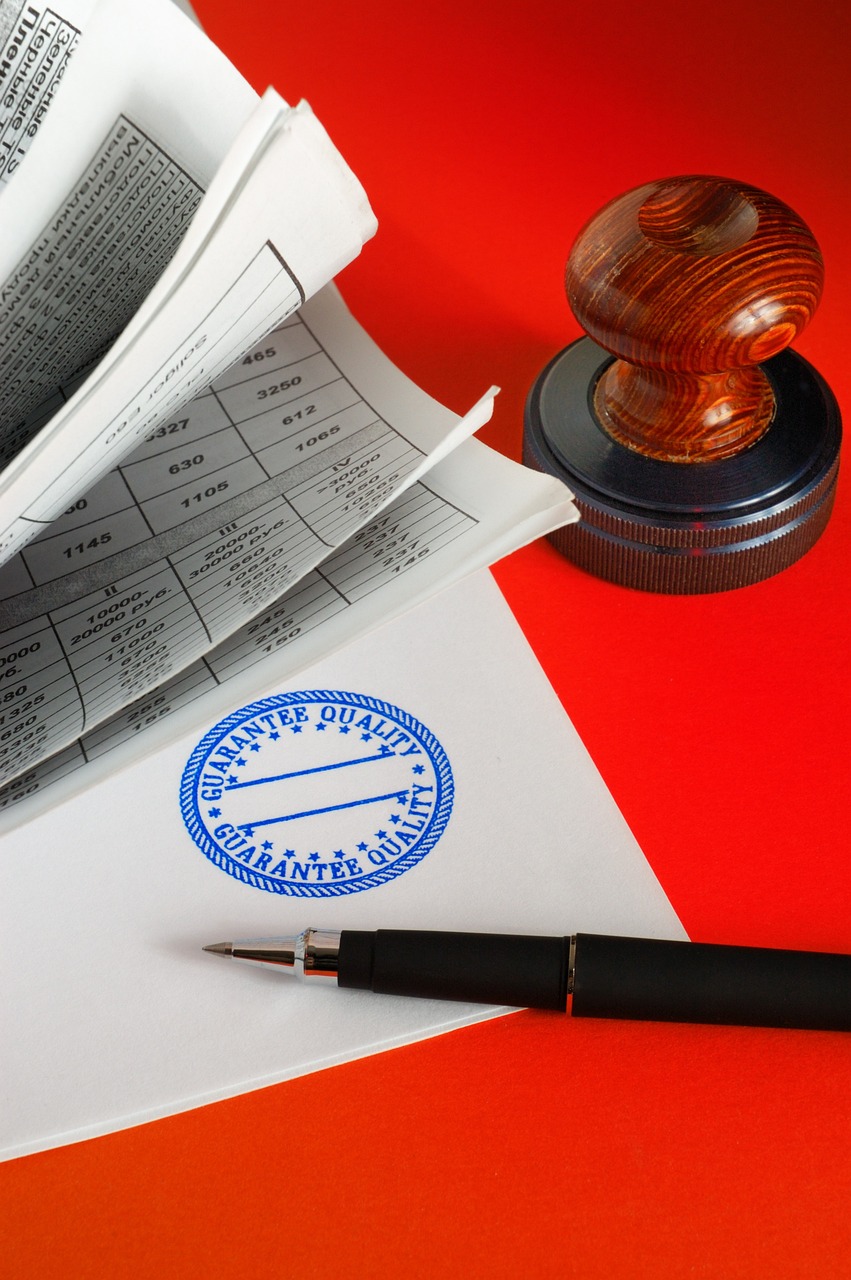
point(692, 282)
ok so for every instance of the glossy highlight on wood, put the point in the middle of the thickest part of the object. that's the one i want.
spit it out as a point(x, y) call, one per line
point(692, 282)
point(683, 417)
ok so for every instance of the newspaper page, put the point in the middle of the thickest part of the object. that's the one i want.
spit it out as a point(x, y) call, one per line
point(175, 564)
point(185, 445)
point(111, 184)
point(36, 44)
point(283, 216)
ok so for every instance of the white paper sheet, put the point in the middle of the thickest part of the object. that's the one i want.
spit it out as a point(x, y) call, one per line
point(111, 1013)
point(139, 580)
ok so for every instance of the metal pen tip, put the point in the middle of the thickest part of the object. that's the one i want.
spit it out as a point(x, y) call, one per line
point(220, 948)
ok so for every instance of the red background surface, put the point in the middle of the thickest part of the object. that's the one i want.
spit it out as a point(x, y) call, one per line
point(485, 135)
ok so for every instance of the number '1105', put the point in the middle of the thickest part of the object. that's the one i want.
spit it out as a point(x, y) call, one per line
point(206, 493)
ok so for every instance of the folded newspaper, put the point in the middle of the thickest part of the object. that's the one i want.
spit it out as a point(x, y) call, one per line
point(210, 472)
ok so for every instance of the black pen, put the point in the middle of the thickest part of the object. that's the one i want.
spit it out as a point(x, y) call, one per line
point(586, 975)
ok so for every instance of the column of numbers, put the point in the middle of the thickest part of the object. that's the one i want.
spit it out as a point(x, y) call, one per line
point(121, 641)
point(40, 707)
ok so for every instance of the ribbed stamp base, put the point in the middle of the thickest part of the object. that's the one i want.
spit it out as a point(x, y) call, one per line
point(686, 528)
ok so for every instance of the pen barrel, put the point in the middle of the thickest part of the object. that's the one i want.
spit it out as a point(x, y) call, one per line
point(481, 968)
point(697, 982)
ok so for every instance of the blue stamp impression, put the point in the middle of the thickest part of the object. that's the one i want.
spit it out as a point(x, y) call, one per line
point(317, 794)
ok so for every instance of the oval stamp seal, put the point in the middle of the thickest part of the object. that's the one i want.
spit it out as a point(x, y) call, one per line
point(317, 793)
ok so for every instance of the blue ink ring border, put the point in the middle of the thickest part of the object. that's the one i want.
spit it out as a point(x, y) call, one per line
point(371, 880)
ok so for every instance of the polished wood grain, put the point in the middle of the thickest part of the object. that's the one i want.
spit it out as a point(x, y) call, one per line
point(692, 282)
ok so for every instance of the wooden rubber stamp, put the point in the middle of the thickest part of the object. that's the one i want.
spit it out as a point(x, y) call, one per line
point(703, 455)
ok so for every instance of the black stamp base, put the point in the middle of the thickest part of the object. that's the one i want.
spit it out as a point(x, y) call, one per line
point(686, 528)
